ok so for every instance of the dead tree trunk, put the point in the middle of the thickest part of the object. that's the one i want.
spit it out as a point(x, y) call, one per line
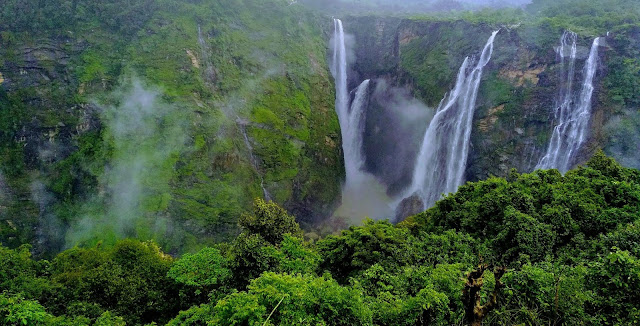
point(475, 311)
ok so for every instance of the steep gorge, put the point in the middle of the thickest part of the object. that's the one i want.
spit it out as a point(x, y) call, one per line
point(248, 110)
point(514, 117)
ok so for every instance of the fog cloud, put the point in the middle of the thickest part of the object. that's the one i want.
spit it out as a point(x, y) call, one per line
point(396, 122)
point(410, 6)
point(145, 135)
point(623, 133)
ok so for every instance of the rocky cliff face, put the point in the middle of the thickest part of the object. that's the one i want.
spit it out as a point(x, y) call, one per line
point(513, 119)
point(253, 100)
point(234, 105)
point(42, 125)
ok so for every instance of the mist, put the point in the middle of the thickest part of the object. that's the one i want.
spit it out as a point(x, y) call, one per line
point(145, 135)
point(410, 6)
point(623, 137)
point(391, 151)
point(395, 125)
point(49, 226)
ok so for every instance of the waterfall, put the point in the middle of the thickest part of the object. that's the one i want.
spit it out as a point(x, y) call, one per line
point(339, 71)
point(209, 71)
point(572, 114)
point(351, 118)
point(252, 158)
point(362, 194)
point(353, 133)
point(442, 160)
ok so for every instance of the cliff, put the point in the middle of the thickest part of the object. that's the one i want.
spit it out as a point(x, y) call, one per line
point(163, 125)
point(418, 59)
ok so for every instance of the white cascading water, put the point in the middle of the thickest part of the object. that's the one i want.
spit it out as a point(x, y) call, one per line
point(572, 114)
point(442, 159)
point(353, 133)
point(209, 72)
point(339, 68)
point(252, 158)
point(362, 194)
point(351, 118)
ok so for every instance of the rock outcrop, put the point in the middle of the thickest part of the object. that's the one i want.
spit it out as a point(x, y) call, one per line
point(408, 207)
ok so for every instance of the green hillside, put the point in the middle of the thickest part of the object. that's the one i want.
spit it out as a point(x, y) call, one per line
point(532, 249)
point(175, 166)
point(180, 162)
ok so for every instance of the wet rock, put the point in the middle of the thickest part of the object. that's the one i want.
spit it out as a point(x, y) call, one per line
point(408, 207)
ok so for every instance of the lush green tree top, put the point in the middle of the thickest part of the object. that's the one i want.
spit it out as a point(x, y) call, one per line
point(533, 216)
point(205, 268)
point(270, 221)
point(539, 248)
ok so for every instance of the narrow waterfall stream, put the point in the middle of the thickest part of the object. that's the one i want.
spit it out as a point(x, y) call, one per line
point(209, 71)
point(572, 113)
point(242, 125)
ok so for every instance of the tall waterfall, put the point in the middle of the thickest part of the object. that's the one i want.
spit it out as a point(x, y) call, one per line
point(353, 133)
point(351, 118)
point(442, 160)
point(362, 195)
point(339, 71)
point(572, 114)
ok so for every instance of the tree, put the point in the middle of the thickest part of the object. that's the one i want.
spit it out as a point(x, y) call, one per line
point(475, 310)
point(359, 248)
point(108, 319)
point(130, 280)
point(204, 271)
point(285, 299)
point(615, 279)
point(248, 259)
point(543, 293)
point(15, 310)
point(413, 295)
point(530, 216)
point(259, 247)
point(270, 221)
point(19, 272)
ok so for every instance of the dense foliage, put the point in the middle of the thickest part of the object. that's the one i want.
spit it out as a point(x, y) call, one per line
point(243, 107)
point(533, 249)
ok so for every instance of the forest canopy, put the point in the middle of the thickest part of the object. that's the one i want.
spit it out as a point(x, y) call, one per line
point(539, 248)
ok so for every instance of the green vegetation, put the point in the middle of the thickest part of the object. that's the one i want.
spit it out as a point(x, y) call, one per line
point(242, 65)
point(534, 249)
point(232, 68)
point(152, 224)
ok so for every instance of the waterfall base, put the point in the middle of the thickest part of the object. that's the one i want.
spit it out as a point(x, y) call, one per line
point(365, 197)
point(408, 207)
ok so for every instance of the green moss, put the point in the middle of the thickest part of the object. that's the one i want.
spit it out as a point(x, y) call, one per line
point(267, 71)
point(93, 68)
point(496, 91)
point(623, 81)
point(427, 69)
point(431, 60)
point(262, 115)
